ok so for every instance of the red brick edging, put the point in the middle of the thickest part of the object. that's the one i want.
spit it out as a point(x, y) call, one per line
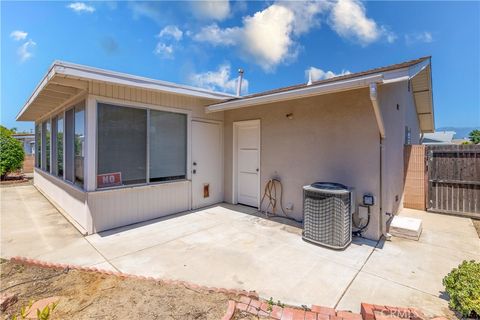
point(263, 309)
point(186, 284)
point(249, 300)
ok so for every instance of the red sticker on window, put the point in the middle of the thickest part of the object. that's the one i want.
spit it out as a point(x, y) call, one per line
point(109, 180)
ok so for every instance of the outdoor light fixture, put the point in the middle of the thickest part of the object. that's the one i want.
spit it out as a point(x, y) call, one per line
point(289, 116)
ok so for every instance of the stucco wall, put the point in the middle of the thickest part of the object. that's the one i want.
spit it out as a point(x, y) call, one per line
point(330, 138)
point(395, 120)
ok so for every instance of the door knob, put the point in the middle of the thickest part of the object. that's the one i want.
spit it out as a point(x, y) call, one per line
point(194, 163)
point(194, 171)
point(257, 170)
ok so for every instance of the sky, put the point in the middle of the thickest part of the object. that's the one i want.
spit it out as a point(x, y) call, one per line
point(277, 44)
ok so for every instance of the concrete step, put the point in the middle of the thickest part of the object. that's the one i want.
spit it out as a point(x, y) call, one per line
point(405, 227)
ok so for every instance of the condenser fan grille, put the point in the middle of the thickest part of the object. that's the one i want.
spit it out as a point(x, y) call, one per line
point(327, 218)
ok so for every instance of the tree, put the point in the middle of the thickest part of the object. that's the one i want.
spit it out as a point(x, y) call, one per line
point(11, 153)
point(474, 136)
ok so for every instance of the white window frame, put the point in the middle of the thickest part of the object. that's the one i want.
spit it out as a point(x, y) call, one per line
point(50, 117)
point(95, 99)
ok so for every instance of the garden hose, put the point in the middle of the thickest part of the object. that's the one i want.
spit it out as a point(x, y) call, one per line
point(270, 192)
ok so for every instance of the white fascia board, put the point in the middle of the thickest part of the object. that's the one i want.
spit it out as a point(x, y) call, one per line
point(89, 73)
point(308, 91)
point(417, 68)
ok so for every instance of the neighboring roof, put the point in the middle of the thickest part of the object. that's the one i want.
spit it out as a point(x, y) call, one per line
point(438, 137)
point(418, 71)
point(21, 135)
point(65, 80)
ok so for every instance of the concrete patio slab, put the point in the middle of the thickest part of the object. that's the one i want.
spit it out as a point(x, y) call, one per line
point(457, 233)
point(236, 247)
point(32, 227)
point(236, 250)
point(376, 290)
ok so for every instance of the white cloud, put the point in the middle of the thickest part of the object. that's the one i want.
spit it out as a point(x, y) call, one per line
point(18, 35)
point(211, 10)
point(319, 74)
point(149, 9)
point(348, 18)
point(218, 80)
point(390, 36)
point(213, 34)
point(268, 36)
point(171, 31)
point(163, 50)
point(306, 14)
point(424, 36)
point(81, 7)
point(24, 51)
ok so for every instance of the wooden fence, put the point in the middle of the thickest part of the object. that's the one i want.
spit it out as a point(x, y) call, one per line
point(454, 179)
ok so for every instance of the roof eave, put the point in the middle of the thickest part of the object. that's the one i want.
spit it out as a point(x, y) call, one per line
point(303, 92)
point(84, 73)
point(89, 73)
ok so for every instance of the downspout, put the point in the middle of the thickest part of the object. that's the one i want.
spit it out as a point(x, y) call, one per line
point(381, 130)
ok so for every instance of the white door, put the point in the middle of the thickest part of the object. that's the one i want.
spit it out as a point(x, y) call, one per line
point(207, 164)
point(247, 144)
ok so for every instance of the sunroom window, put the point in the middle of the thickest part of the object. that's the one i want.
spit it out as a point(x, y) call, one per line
point(38, 151)
point(122, 145)
point(168, 145)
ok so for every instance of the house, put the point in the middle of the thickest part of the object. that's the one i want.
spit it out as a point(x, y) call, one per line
point(115, 149)
point(28, 142)
point(438, 137)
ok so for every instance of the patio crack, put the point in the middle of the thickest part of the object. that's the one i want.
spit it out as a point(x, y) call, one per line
point(355, 276)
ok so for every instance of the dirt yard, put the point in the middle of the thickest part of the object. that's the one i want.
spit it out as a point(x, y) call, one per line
point(16, 180)
point(94, 295)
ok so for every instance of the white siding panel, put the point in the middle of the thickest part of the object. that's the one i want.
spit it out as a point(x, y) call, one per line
point(64, 196)
point(120, 207)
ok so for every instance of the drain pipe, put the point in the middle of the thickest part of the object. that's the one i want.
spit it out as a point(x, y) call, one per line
point(381, 129)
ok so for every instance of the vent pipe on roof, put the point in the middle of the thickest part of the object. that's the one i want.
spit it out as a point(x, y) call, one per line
point(239, 81)
point(309, 77)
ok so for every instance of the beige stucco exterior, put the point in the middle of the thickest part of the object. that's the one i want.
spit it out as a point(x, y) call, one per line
point(333, 138)
point(330, 138)
point(396, 122)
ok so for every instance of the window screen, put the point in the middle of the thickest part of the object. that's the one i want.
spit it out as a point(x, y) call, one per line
point(46, 145)
point(168, 145)
point(69, 133)
point(59, 146)
point(54, 146)
point(122, 142)
point(79, 141)
point(38, 141)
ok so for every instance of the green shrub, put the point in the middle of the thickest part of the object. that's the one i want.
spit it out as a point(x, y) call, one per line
point(474, 136)
point(463, 286)
point(11, 153)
